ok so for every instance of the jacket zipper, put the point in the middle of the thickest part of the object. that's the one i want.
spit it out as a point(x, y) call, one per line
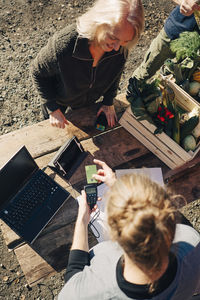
point(94, 70)
point(93, 76)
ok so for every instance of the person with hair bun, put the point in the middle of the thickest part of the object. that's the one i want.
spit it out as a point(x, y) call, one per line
point(150, 255)
point(84, 61)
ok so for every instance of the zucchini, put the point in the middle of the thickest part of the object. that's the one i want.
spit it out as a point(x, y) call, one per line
point(176, 128)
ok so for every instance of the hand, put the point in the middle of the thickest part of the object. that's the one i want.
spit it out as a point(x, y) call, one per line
point(57, 119)
point(105, 174)
point(187, 7)
point(84, 210)
point(109, 111)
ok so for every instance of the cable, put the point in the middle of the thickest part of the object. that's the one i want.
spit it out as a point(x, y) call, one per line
point(96, 215)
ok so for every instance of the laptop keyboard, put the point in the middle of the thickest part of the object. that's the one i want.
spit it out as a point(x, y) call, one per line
point(35, 194)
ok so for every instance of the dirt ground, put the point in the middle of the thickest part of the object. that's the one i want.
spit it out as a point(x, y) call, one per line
point(25, 26)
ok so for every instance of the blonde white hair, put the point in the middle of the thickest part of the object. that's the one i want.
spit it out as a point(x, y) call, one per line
point(111, 13)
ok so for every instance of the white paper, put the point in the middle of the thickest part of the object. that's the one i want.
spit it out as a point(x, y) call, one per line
point(155, 174)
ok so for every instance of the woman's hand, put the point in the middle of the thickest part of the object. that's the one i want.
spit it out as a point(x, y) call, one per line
point(57, 119)
point(109, 111)
point(105, 174)
point(84, 210)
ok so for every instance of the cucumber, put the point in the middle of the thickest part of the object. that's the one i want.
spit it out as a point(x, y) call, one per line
point(176, 128)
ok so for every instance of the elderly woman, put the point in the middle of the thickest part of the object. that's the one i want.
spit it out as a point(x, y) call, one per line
point(83, 62)
point(149, 256)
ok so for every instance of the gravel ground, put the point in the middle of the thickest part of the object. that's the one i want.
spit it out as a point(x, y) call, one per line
point(25, 27)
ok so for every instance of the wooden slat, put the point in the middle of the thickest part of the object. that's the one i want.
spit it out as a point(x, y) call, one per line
point(8, 234)
point(164, 139)
point(186, 181)
point(42, 138)
point(151, 141)
point(186, 101)
point(172, 175)
point(143, 139)
point(39, 267)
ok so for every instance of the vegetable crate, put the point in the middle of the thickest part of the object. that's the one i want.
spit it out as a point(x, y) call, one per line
point(165, 148)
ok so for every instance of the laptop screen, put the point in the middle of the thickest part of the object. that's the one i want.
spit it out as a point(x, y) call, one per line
point(15, 173)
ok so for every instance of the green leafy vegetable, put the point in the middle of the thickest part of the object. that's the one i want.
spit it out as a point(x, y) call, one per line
point(186, 45)
point(142, 97)
point(188, 126)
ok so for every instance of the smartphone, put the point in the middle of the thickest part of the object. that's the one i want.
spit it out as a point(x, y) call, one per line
point(90, 170)
point(101, 122)
point(91, 194)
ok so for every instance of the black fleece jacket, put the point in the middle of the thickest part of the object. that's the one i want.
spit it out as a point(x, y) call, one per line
point(63, 72)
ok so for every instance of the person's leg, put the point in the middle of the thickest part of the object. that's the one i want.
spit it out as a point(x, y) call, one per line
point(154, 58)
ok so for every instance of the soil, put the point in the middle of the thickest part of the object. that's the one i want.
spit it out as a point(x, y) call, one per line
point(25, 28)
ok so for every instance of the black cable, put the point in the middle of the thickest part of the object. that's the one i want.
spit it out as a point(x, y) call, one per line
point(96, 215)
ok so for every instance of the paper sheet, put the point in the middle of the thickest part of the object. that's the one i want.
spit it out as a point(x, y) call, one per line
point(155, 174)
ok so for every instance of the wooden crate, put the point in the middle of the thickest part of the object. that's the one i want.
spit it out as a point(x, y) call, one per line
point(166, 149)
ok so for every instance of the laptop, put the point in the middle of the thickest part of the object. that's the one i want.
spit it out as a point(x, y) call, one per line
point(29, 197)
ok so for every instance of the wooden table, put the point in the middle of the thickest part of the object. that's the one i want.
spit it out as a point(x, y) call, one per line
point(119, 149)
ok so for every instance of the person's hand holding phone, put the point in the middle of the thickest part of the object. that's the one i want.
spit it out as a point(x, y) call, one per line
point(84, 210)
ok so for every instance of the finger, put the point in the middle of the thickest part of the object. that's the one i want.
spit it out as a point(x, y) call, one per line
point(99, 111)
point(99, 162)
point(99, 177)
point(94, 208)
point(83, 193)
point(51, 121)
point(186, 10)
point(108, 118)
point(115, 116)
point(112, 122)
point(58, 124)
point(99, 198)
point(196, 7)
point(102, 164)
point(100, 172)
point(62, 125)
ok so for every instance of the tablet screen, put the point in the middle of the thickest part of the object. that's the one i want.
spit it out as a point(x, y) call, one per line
point(70, 155)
